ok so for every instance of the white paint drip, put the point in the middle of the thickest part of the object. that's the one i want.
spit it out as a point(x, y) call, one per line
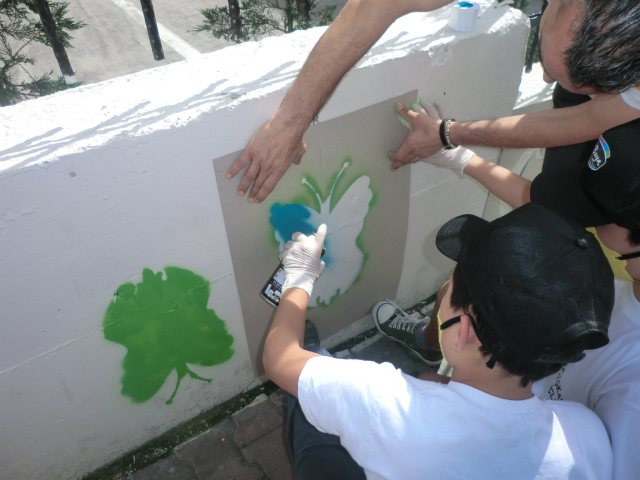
point(344, 225)
point(166, 36)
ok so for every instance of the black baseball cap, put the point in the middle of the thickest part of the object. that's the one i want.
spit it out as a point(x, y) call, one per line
point(537, 279)
point(604, 190)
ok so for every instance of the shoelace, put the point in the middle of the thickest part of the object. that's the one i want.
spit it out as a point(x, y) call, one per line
point(403, 323)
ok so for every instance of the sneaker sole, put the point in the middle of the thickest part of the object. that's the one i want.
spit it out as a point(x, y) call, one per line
point(374, 314)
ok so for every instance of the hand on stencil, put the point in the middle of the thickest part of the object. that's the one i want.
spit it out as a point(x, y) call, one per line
point(271, 151)
point(423, 138)
point(301, 260)
point(455, 160)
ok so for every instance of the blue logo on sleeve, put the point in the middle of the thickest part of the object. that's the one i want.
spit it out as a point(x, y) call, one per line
point(600, 155)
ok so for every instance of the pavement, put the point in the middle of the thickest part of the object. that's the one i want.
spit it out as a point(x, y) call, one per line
point(115, 41)
point(251, 444)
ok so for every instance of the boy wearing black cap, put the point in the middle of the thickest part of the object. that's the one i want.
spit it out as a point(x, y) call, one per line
point(603, 195)
point(513, 313)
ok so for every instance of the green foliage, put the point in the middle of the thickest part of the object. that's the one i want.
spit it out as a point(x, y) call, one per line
point(19, 27)
point(533, 37)
point(165, 325)
point(262, 17)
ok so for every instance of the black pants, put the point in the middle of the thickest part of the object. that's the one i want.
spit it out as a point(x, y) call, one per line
point(317, 455)
point(569, 155)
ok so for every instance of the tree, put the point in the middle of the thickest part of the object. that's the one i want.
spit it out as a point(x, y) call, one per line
point(259, 17)
point(17, 30)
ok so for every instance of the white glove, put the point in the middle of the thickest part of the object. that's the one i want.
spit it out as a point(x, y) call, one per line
point(301, 260)
point(455, 160)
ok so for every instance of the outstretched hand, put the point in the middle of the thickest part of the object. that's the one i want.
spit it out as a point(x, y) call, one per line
point(301, 259)
point(456, 159)
point(423, 138)
point(271, 151)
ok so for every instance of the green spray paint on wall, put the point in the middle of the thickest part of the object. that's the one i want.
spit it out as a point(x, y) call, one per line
point(165, 325)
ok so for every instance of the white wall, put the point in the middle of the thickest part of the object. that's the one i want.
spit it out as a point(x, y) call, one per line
point(102, 181)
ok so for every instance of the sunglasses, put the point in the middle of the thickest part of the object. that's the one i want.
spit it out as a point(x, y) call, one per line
point(485, 343)
point(629, 256)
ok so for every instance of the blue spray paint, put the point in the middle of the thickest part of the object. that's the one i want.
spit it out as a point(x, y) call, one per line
point(343, 259)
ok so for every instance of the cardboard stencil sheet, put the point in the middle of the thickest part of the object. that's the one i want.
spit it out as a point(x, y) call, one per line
point(344, 180)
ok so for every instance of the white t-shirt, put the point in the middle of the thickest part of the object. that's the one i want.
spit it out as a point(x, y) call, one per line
point(398, 427)
point(607, 381)
point(631, 97)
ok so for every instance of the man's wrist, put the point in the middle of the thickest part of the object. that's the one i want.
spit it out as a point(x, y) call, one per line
point(290, 125)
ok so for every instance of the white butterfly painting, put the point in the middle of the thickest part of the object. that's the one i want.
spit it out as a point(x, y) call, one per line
point(343, 258)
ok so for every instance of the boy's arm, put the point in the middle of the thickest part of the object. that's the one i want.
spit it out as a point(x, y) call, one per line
point(504, 184)
point(283, 356)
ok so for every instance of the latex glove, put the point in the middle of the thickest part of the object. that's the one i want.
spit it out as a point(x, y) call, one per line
point(423, 138)
point(301, 260)
point(455, 160)
point(271, 151)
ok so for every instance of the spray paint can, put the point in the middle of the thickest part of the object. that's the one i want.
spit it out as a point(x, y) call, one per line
point(273, 288)
point(464, 16)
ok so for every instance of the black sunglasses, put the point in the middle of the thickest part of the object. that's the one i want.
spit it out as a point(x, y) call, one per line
point(629, 256)
point(492, 361)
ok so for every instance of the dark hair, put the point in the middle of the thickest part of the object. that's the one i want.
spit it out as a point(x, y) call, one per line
point(634, 237)
point(508, 360)
point(605, 51)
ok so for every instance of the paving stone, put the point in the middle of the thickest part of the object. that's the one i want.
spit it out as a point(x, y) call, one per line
point(256, 420)
point(272, 453)
point(386, 350)
point(165, 469)
point(215, 456)
point(342, 354)
point(279, 399)
point(366, 344)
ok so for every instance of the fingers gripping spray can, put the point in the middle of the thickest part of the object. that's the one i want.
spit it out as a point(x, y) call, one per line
point(273, 289)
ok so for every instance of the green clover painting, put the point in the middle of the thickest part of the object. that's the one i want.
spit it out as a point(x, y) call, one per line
point(165, 325)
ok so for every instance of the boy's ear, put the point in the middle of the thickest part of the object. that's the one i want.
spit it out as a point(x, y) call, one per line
point(465, 335)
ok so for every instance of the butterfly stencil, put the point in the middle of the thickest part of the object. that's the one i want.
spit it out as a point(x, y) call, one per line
point(343, 259)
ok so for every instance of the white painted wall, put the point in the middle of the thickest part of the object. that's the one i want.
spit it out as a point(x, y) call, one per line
point(102, 181)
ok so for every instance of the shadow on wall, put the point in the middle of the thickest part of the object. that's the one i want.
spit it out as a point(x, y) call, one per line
point(136, 118)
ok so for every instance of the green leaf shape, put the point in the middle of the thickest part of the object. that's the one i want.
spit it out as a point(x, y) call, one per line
point(165, 325)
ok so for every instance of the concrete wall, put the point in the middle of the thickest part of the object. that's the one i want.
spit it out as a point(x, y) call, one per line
point(112, 229)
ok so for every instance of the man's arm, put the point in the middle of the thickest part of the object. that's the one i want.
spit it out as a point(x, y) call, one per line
point(283, 356)
point(549, 128)
point(278, 142)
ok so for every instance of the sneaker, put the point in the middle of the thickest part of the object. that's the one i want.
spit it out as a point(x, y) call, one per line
point(395, 323)
point(310, 334)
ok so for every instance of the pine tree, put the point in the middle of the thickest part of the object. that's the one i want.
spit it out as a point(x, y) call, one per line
point(19, 27)
point(262, 17)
